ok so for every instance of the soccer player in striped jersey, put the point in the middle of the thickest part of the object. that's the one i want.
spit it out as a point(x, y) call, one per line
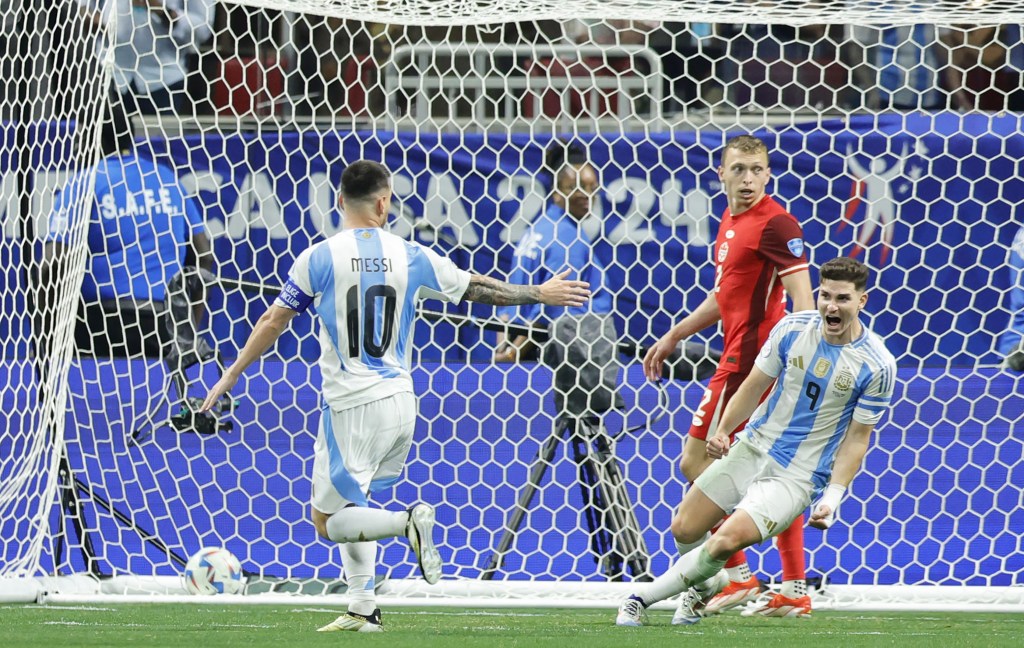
point(363, 284)
point(759, 259)
point(833, 381)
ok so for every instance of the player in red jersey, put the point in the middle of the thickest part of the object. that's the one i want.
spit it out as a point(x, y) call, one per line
point(759, 258)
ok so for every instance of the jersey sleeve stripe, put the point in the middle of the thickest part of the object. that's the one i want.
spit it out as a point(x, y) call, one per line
point(321, 278)
point(791, 269)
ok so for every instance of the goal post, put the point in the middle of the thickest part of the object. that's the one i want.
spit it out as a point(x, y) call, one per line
point(109, 482)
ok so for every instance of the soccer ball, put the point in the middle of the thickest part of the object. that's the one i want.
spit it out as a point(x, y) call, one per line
point(213, 570)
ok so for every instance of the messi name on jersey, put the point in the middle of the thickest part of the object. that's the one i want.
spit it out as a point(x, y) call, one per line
point(371, 264)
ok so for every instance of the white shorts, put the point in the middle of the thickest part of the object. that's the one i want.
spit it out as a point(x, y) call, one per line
point(748, 479)
point(360, 450)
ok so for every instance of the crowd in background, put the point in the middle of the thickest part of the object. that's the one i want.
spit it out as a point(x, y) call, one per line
point(750, 67)
point(200, 57)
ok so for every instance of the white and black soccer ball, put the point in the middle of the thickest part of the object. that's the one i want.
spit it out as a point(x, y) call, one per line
point(213, 570)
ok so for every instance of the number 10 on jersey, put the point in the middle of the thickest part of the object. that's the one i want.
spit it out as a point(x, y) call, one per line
point(370, 335)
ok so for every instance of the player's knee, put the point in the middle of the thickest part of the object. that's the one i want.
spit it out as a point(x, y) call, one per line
point(724, 543)
point(692, 467)
point(685, 533)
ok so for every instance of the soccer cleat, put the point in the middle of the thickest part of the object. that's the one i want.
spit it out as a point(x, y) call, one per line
point(632, 613)
point(777, 605)
point(732, 595)
point(689, 609)
point(352, 622)
point(420, 531)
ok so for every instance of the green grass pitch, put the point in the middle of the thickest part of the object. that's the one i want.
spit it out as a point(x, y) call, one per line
point(259, 626)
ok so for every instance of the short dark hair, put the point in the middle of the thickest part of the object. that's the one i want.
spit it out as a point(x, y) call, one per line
point(846, 269)
point(561, 154)
point(744, 144)
point(364, 179)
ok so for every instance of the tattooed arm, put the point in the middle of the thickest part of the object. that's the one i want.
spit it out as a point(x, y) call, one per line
point(500, 293)
point(557, 291)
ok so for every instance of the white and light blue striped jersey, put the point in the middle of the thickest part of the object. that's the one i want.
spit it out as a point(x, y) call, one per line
point(363, 284)
point(820, 388)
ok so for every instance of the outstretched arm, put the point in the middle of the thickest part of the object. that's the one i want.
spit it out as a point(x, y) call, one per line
point(269, 327)
point(557, 291)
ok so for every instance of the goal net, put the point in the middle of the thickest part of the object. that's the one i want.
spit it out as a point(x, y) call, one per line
point(895, 136)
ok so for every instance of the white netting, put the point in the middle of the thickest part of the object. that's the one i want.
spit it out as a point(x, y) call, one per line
point(898, 141)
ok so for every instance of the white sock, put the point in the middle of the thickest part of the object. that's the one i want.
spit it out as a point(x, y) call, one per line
point(685, 548)
point(359, 524)
point(359, 561)
point(793, 588)
point(740, 573)
point(695, 567)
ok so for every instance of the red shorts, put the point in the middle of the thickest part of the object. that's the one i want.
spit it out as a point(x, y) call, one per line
point(719, 392)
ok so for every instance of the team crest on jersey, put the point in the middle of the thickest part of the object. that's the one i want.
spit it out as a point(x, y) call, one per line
point(796, 246)
point(821, 367)
point(722, 252)
point(366, 235)
point(844, 380)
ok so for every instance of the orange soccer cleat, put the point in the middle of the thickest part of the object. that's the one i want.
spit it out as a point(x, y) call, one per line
point(777, 605)
point(735, 593)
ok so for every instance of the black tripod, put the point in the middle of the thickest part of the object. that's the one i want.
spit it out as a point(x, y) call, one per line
point(71, 488)
point(615, 536)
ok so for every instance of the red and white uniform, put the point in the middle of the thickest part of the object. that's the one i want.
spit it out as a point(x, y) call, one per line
point(753, 251)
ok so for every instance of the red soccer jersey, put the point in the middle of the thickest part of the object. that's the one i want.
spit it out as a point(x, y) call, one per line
point(752, 251)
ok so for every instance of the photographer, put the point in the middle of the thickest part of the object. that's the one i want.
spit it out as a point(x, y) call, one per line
point(145, 239)
point(582, 348)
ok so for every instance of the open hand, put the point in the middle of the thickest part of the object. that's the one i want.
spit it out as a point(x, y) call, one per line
point(223, 386)
point(559, 291)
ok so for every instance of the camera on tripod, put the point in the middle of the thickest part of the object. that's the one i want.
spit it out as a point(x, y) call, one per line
point(190, 419)
point(581, 351)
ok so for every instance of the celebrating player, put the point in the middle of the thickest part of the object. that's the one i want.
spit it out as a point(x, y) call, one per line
point(363, 283)
point(759, 253)
point(833, 381)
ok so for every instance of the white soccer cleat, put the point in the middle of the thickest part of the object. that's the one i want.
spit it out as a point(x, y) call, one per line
point(420, 531)
point(632, 613)
point(777, 605)
point(692, 602)
point(352, 622)
point(688, 611)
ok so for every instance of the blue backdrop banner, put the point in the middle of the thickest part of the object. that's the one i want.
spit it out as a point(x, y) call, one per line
point(931, 201)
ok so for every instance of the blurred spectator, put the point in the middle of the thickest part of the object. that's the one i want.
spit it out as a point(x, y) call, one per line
point(906, 61)
point(685, 50)
point(610, 32)
point(986, 67)
point(690, 65)
point(153, 41)
point(339, 61)
point(782, 65)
